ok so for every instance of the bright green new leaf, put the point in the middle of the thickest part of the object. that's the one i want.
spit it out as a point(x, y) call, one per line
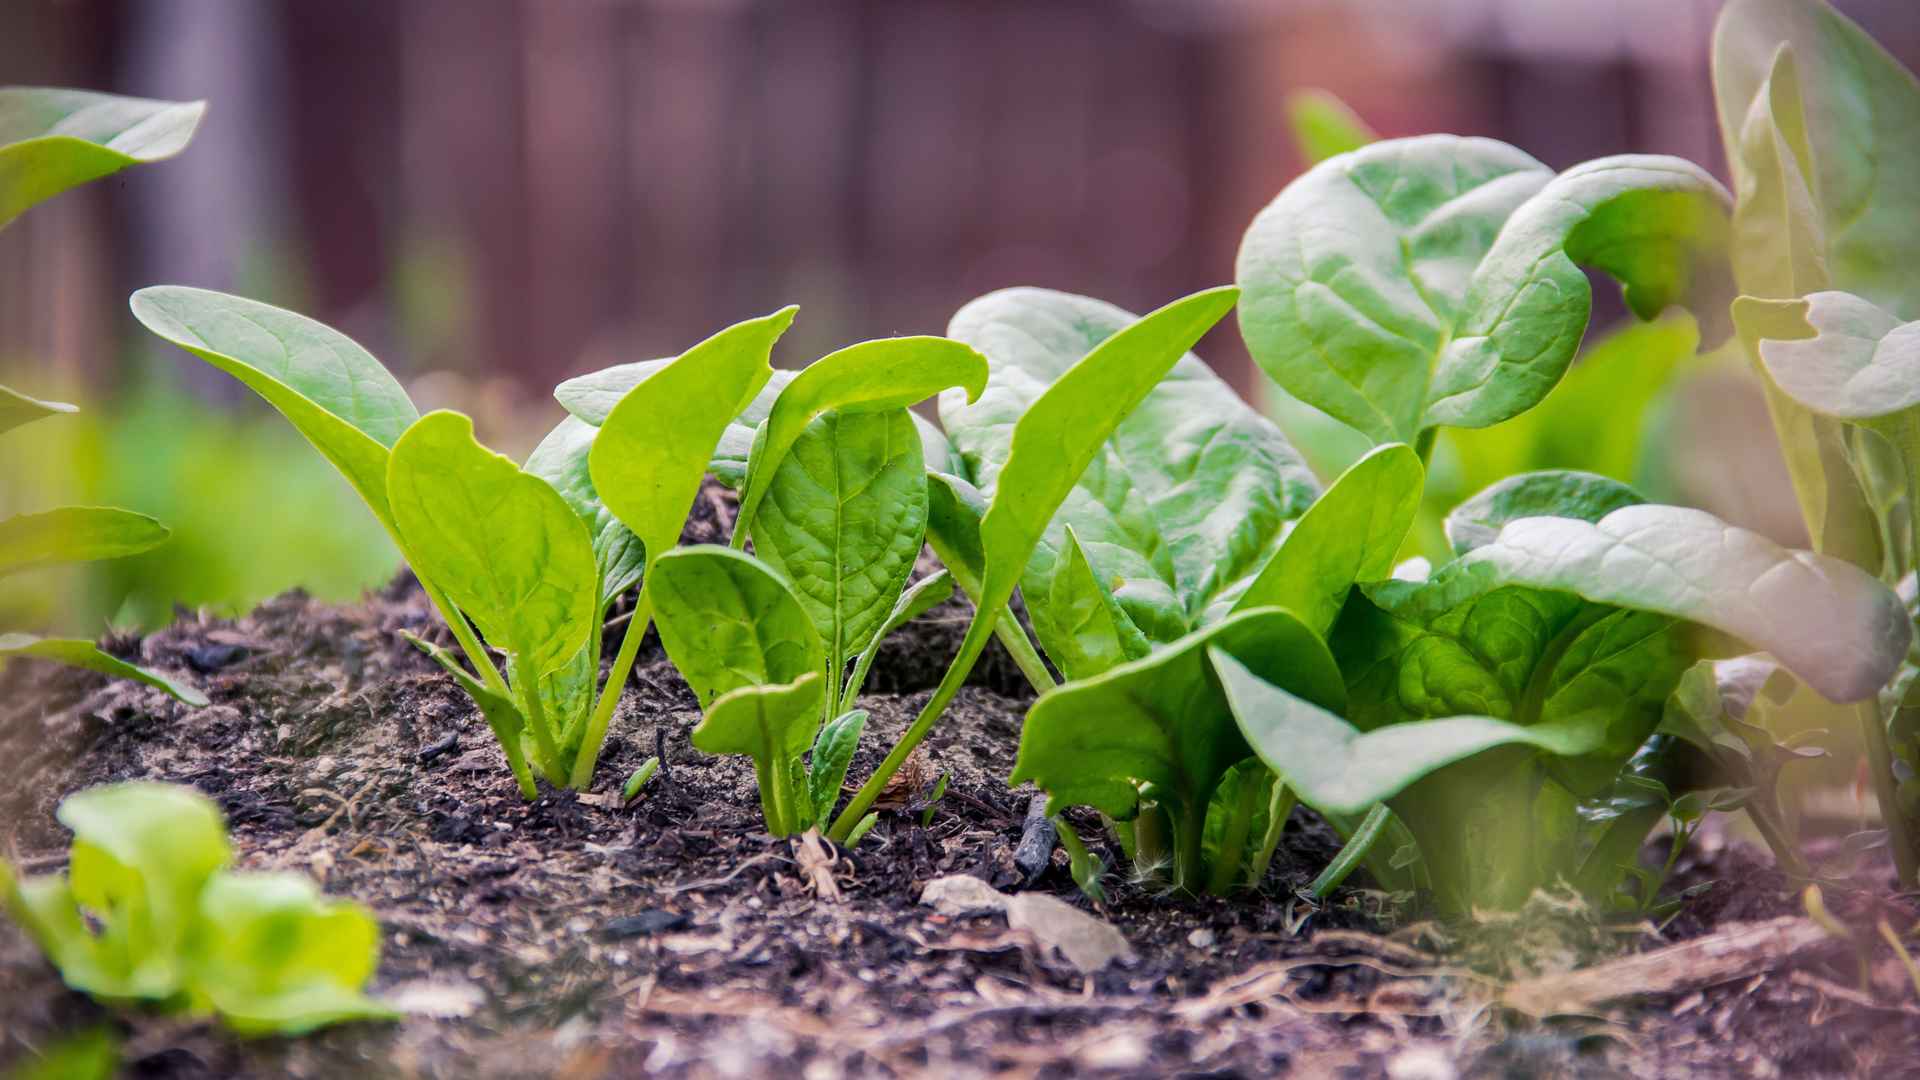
point(919, 598)
point(75, 534)
point(1179, 506)
point(561, 460)
point(334, 392)
point(1349, 534)
point(874, 376)
point(1323, 126)
point(75, 652)
point(1092, 631)
point(730, 621)
point(954, 510)
point(53, 139)
point(1163, 722)
point(1549, 493)
point(832, 754)
point(774, 725)
point(280, 958)
point(17, 408)
point(1437, 280)
point(507, 548)
point(142, 852)
point(843, 521)
point(654, 446)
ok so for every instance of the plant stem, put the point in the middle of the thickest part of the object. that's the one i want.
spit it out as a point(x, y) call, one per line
point(1900, 838)
point(1423, 444)
point(1226, 863)
point(970, 648)
point(1279, 809)
point(1352, 853)
point(776, 796)
point(528, 685)
point(1013, 638)
point(1189, 849)
point(1150, 840)
point(463, 633)
point(596, 733)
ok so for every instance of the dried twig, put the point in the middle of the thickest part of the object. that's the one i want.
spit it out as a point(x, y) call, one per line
point(1736, 952)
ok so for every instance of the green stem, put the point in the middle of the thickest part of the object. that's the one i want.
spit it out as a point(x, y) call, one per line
point(970, 648)
point(463, 633)
point(1013, 637)
point(1900, 836)
point(1279, 809)
point(1352, 853)
point(1151, 840)
point(596, 733)
point(776, 795)
point(528, 685)
point(1233, 845)
point(1189, 849)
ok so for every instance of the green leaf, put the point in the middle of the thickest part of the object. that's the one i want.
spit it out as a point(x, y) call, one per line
point(277, 957)
point(1092, 631)
point(142, 852)
point(17, 408)
point(92, 1054)
point(561, 460)
point(590, 398)
point(954, 510)
point(75, 652)
point(1437, 280)
point(871, 377)
point(1179, 502)
point(730, 621)
point(1838, 354)
point(1323, 126)
point(52, 139)
point(75, 534)
point(510, 551)
point(832, 754)
point(1835, 627)
point(334, 392)
point(653, 447)
point(1549, 493)
point(844, 520)
point(1349, 534)
point(919, 598)
point(773, 724)
point(1162, 721)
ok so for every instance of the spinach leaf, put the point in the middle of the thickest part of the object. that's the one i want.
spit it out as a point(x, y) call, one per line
point(561, 460)
point(1437, 280)
point(17, 408)
point(590, 398)
point(75, 652)
point(919, 598)
point(730, 621)
point(773, 724)
point(873, 376)
point(54, 139)
point(954, 510)
point(1052, 444)
point(73, 534)
point(1159, 727)
point(280, 958)
point(1548, 493)
point(1349, 534)
point(1323, 126)
point(1180, 507)
point(844, 522)
point(832, 754)
point(1094, 633)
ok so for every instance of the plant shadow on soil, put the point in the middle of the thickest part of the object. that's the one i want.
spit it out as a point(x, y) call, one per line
point(577, 937)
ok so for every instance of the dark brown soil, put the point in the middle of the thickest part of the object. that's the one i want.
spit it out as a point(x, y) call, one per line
point(573, 937)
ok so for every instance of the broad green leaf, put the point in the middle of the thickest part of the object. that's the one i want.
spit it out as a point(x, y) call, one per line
point(1092, 632)
point(17, 408)
point(1323, 126)
point(334, 392)
point(561, 460)
point(75, 652)
point(1549, 493)
point(509, 550)
point(1437, 280)
point(773, 724)
point(75, 534)
point(1182, 498)
point(1349, 534)
point(832, 754)
point(1838, 354)
point(874, 376)
point(1337, 768)
point(277, 957)
point(1835, 627)
point(954, 510)
point(729, 621)
point(142, 852)
point(843, 521)
point(52, 139)
point(653, 447)
point(1162, 720)
point(1861, 137)
point(919, 598)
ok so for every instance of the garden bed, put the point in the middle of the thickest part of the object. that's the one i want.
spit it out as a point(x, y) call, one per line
point(580, 937)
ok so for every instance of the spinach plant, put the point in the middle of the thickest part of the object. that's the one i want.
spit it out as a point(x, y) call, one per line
point(148, 911)
point(1819, 124)
point(52, 140)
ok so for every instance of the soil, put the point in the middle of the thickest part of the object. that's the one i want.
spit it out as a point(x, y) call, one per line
point(577, 937)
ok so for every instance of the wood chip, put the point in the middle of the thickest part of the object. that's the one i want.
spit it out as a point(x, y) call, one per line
point(1739, 951)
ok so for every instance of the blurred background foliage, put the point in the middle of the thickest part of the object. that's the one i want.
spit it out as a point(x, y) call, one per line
point(493, 195)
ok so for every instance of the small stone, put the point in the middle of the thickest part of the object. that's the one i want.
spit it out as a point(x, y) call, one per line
point(1202, 939)
point(962, 894)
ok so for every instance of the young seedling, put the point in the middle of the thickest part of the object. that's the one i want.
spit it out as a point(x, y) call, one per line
point(149, 912)
point(52, 140)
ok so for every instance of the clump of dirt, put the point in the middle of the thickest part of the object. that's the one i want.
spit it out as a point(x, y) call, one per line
point(575, 936)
